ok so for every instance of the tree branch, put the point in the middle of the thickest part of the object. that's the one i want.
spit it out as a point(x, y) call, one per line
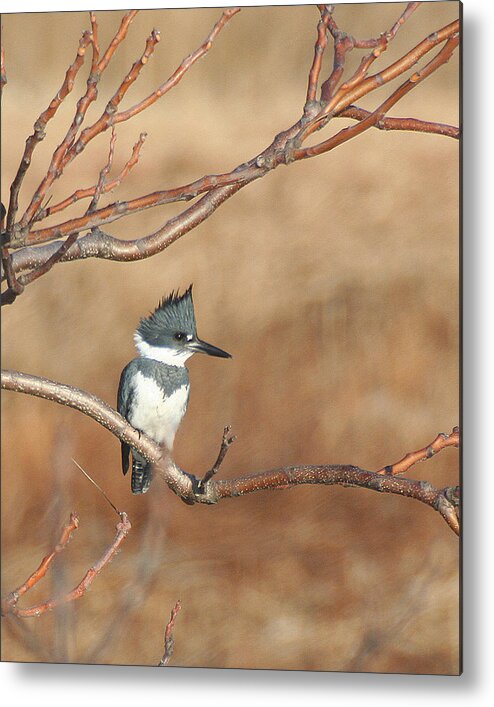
point(9, 605)
point(336, 101)
point(169, 641)
point(412, 124)
point(193, 490)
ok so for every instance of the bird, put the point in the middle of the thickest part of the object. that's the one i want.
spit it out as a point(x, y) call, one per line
point(153, 391)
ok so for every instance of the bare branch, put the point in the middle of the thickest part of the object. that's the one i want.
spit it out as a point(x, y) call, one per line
point(226, 443)
point(440, 442)
point(102, 180)
point(57, 164)
point(10, 602)
point(3, 71)
point(101, 245)
point(319, 49)
point(169, 641)
point(412, 124)
point(348, 133)
point(89, 192)
point(337, 101)
point(110, 117)
point(9, 606)
point(40, 125)
point(191, 490)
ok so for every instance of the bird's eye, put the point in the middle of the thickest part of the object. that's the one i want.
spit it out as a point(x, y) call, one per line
point(179, 336)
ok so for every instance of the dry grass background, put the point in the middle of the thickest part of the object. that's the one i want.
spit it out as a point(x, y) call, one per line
point(335, 285)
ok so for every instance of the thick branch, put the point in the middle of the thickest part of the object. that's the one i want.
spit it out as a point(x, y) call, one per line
point(285, 148)
point(341, 474)
point(101, 245)
point(192, 490)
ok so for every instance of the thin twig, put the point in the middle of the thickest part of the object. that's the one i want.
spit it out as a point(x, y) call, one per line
point(3, 70)
point(102, 180)
point(123, 527)
point(98, 487)
point(10, 602)
point(226, 442)
point(169, 641)
point(412, 124)
point(108, 118)
point(57, 163)
point(40, 125)
point(319, 49)
point(89, 191)
point(440, 442)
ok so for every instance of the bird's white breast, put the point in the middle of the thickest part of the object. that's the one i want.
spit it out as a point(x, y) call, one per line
point(157, 416)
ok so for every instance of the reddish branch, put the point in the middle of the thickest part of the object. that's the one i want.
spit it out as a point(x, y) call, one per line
point(169, 641)
point(40, 126)
point(412, 124)
point(90, 191)
point(441, 442)
point(56, 166)
point(337, 99)
point(9, 604)
point(210, 490)
point(3, 72)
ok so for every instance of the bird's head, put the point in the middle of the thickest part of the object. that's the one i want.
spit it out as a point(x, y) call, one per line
point(169, 334)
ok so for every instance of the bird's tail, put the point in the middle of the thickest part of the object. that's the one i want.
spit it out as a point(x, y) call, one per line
point(141, 475)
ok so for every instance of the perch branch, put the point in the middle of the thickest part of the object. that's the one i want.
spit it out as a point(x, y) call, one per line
point(10, 605)
point(169, 641)
point(191, 490)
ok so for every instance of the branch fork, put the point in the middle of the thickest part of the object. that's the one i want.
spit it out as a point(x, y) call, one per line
point(37, 250)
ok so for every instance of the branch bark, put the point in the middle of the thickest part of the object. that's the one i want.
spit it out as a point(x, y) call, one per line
point(38, 249)
point(210, 490)
point(9, 604)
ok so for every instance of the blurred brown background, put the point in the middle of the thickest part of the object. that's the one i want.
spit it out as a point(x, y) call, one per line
point(333, 282)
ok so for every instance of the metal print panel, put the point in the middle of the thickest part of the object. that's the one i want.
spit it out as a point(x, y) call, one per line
point(284, 183)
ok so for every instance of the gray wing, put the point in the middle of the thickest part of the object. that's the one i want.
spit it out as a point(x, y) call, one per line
point(124, 404)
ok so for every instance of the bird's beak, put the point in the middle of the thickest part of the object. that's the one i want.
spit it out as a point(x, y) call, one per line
point(199, 346)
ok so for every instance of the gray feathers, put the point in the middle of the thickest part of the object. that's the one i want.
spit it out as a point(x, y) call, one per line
point(169, 378)
point(174, 313)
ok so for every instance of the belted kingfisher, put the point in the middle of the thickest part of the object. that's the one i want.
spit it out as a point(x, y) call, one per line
point(154, 388)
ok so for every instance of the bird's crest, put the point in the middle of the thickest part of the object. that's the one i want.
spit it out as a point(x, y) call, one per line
point(175, 311)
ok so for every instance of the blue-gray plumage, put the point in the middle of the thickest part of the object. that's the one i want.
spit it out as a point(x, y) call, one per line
point(154, 389)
